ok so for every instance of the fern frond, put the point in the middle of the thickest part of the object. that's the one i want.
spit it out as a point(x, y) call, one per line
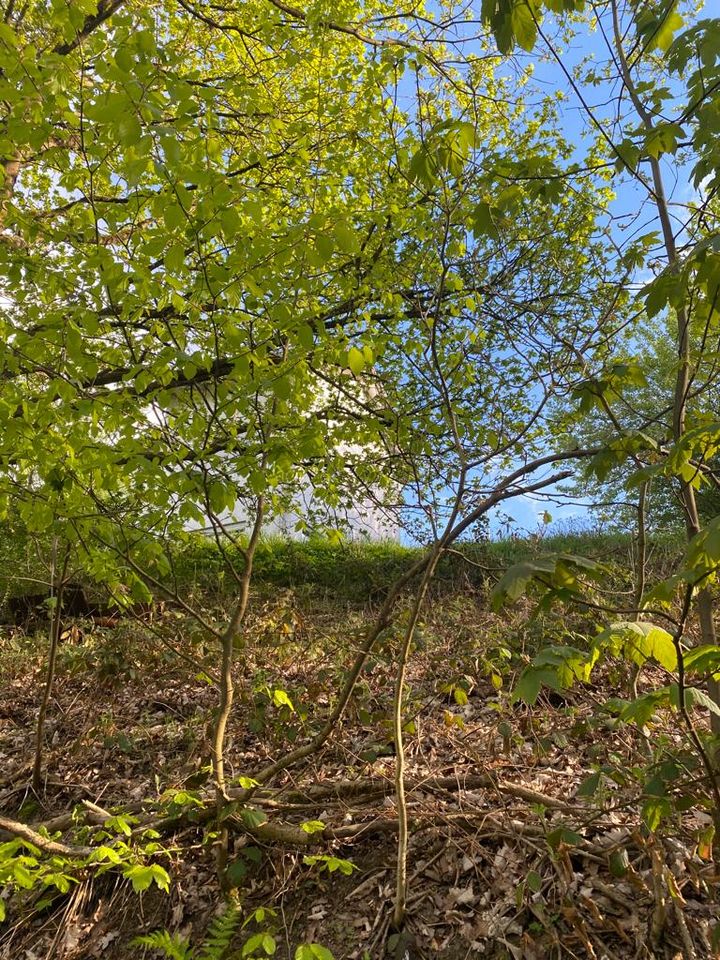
point(220, 934)
point(172, 944)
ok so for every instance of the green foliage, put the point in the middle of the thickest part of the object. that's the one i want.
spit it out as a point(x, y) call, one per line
point(24, 867)
point(349, 570)
point(259, 944)
point(220, 935)
point(171, 945)
point(142, 877)
point(330, 863)
point(558, 576)
point(214, 946)
point(363, 570)
point(234, 274)
point(638, 642)
point(312, 951)
point(560, 667)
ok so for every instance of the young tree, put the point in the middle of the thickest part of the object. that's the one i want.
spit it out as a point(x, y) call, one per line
point(656, 128)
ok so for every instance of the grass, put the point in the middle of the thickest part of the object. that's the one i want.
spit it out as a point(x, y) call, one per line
point(355, 571)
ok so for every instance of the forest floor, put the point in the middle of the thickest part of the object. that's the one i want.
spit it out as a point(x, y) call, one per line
point(530, 826)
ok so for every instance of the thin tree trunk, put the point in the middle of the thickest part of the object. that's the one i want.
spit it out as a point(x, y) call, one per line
point(57, 589)
point(400, 800)
point(227, 687)
point(704, 600)
point(227, 690)
point(640, 572)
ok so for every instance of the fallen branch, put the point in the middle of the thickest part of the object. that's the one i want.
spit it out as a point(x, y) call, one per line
point(26, 833)
point(366, 788)
point(307, 798)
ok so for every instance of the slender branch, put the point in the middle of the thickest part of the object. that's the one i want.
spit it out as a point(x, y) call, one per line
point(57, 590)
point(52, 847)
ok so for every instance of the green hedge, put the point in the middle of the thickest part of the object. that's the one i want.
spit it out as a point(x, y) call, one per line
point(349, 570)
point(364, 570)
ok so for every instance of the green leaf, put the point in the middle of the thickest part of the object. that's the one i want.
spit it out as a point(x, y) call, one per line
point(628, 155)
point(22, 876)
point(313, 951)
point(174, 216)
point(269, 944)
point(160, 876)
point(694, 697)
point(523, 24)
point(253, 818)
point(104, 853)
point(532, 679)
point(175, 257)
point(140, 877)
point(247, 783)
point(654, 811)
point(259, 941)
point(515, 581)
point(220, 497)
point(483, 220)
point(703, 660)
point(643, 708)
point(325, 246)
point(589, 786)
point(346, 238)
point(281, 699)
point(661, 32)
point(639, 641)
point(172, 945)
point(460, 696)
point(236, 872)
point(423, 167)
point(663, 139)
point(562, 835)
point(313, 826)
point(356, 360)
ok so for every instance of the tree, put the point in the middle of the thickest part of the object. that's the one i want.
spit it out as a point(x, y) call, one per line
point(240, 257)
point(663, 112)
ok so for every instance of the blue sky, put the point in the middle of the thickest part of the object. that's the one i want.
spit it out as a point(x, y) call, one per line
point(631, 215)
